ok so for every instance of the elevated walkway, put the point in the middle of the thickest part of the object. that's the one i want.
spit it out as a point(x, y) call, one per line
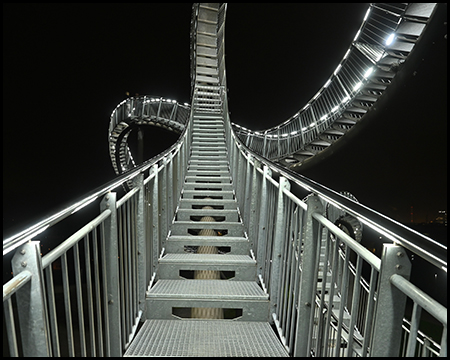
point(206, 301)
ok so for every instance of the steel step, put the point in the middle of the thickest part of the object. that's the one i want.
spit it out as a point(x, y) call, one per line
point(219, 214)
point(245, 295)
point(199, 203)
point(192, 227)
point(219, 177)
point(179, 244)
point(200, 187)
point(206, 338)
point(192, 194)
point(210, 168)
point(243, 266)
point(224, 228)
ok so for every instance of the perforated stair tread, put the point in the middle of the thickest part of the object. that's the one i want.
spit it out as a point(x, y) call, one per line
point(206, 338)
point(207, 289)
point(207, 258)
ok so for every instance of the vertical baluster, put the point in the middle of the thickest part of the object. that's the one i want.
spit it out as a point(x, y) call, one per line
point(355, 304)
point(90, 303)
point(67, 305)
point(280, 226)
point(10, 328)
point(78, 287)
point(53, 319)
point(105, 291)
point(97, 295)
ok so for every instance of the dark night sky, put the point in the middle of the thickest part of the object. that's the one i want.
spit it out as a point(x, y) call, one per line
point(66, 67)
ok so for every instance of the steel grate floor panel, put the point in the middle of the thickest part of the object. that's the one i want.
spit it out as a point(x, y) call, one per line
point(206, 338)
point(207, 258)
point(207, 289)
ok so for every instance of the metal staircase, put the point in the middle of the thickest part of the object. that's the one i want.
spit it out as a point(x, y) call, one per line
point(209, 254)
point(207, 218)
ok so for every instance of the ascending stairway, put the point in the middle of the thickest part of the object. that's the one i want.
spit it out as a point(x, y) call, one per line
point(207, 303)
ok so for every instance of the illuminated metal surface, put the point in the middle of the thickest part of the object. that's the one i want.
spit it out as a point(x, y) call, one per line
point(139, 111)
point(382, 44)
point(321, 302)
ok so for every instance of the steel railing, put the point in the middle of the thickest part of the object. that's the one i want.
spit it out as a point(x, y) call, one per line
point(141, 110)
point(320, 301)
point(383, 42)
point(329, 295)
point(86, 296)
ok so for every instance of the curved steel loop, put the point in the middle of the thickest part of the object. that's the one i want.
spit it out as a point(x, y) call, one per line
point(142, 110)
point(382, 44)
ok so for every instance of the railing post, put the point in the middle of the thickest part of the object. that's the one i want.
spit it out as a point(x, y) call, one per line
point(141, 236)
point(255, 199)
point(155, 219)
point(262, 224)
point(391, 302)
point(311, 248)
point(278, 245)
point(163, 203)
point(169, 181)
point(31, 301)
point(112, 274)
point(247, 193)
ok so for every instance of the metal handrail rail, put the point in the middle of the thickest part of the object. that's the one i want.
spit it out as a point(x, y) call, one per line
point(421, 245)
point(22, 237)
point(346, 84)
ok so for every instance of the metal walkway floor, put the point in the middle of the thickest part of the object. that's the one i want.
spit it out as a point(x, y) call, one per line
point(206, 338)
point(206, 301)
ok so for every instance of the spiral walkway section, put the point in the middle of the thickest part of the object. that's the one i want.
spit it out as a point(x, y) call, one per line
point(386, 38)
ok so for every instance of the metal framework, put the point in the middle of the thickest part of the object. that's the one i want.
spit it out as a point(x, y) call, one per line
point(385, 39)
point(295, 268)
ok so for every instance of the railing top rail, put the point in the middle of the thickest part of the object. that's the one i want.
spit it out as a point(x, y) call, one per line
point(419, 244)
point(21, 237)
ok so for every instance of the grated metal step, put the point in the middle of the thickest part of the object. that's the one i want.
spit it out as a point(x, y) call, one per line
point(207, 289)
point(166, 296)
point(195, 338)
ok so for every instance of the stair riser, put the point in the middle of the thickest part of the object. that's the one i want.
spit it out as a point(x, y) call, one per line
point(189, 203)
point(161, 308)
point(222, 176)
point(185, 214)
point(200, 187)
point(182, 228)
point(208, 153)
point(201, 169)
point(225, 195)
point(237, 247)
point(171, 271)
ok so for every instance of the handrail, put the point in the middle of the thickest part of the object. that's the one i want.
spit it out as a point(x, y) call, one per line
point(382, 44)
point(22, 237)
point(422, 245)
